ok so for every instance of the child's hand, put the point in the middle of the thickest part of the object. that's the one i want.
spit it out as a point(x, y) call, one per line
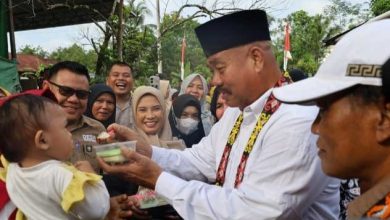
point(122, 207)
point(84, 166)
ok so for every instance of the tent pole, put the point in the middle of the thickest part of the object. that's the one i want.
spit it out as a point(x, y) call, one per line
point(12, 31)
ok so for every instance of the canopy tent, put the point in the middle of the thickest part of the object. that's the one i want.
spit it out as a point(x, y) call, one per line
point(8, 79)
point(29, 15)
point(20, 15)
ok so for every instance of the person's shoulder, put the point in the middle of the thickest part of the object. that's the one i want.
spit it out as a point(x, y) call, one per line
point(92, 123)
point(230, 114)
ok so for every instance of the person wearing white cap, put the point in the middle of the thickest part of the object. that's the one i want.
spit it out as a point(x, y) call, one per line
point(259, 161)
point(353, 122)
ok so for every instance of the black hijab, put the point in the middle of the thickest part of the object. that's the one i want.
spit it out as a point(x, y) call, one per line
point(178, 106)
point(214, 100)
point(96, 91)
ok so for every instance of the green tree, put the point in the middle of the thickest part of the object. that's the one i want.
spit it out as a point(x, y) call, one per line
point(28, 49)
point(379, 6)
point(309, 33)
point(344, 15)
point(306, 38)
point(76, 53)
point(171, 42)
point(138, 41)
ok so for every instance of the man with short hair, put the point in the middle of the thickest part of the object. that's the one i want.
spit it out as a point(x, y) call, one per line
point(259, 161)
point(353, 123)
point(69, 82)
point(120, 79)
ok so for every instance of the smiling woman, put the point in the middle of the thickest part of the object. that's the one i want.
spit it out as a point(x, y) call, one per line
point(151, 118)
point(101, 104)
point(152, 123)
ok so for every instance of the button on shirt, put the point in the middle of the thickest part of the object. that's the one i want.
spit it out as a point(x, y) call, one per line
point(124, 116)
point(283, 177)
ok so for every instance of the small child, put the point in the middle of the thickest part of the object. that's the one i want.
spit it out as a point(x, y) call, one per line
point(34, 139)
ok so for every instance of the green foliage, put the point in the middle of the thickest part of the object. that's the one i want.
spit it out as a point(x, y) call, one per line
point(139, 43)
point(344, 15)
point(28, 49)
point(76, 53)
point(309, 32)
point(140, 50)
point(306, 38)
point(379, 6)
point(195, 61)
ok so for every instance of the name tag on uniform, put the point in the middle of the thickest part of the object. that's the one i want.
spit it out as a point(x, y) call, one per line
point(89, 138)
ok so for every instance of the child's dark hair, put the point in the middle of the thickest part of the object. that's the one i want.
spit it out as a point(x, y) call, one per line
point(21, 117)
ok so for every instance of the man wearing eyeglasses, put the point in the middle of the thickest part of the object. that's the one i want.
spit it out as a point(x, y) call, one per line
point(69, 82)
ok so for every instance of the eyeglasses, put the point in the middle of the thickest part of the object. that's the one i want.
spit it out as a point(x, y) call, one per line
point(67, 91)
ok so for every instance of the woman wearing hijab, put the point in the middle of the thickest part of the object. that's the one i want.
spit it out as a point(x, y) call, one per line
point(151, 119)
point(196, 85)
point(218, 104)
point(101, 104)
point(151, 122)
point(101, 107)
point(185, 119)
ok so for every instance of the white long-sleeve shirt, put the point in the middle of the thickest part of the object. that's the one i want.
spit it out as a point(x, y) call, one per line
point(282, 180)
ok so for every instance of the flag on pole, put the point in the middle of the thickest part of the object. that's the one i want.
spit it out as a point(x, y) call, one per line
point(183, 50)
point(287, 55)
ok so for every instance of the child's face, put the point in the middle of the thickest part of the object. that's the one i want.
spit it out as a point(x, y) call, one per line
point(58, 138)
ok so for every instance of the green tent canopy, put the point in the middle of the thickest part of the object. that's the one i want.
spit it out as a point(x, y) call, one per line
point(9, 77)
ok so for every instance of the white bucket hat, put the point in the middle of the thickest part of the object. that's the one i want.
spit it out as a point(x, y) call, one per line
point(356, 60)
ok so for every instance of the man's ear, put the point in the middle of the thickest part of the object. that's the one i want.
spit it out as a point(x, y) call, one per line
point(257, 55)
point(45, 84)
point(40, 141)
point(383, 127)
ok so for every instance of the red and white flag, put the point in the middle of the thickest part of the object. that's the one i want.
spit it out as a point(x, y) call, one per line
point(287, 55)
point(183, 50)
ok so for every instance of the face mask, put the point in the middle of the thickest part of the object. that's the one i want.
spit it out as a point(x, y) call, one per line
point(187, 125)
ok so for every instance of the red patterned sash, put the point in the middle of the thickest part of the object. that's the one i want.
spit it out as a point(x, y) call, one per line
point(270, 107)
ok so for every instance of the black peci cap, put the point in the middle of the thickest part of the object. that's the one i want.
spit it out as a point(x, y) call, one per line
point(232, 30)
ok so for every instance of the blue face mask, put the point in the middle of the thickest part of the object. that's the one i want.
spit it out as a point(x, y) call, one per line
point(187, 125)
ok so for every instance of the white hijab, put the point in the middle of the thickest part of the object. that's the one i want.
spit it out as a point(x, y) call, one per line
point(207, 117)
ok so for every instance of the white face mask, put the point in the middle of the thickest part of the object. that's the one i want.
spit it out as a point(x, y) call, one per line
point(187, 125)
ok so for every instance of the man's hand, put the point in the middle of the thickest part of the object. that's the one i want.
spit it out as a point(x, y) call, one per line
point(122, 133)
point(139, 169)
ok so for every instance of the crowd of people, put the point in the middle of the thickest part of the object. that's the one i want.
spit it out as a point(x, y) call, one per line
point(264, 146)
